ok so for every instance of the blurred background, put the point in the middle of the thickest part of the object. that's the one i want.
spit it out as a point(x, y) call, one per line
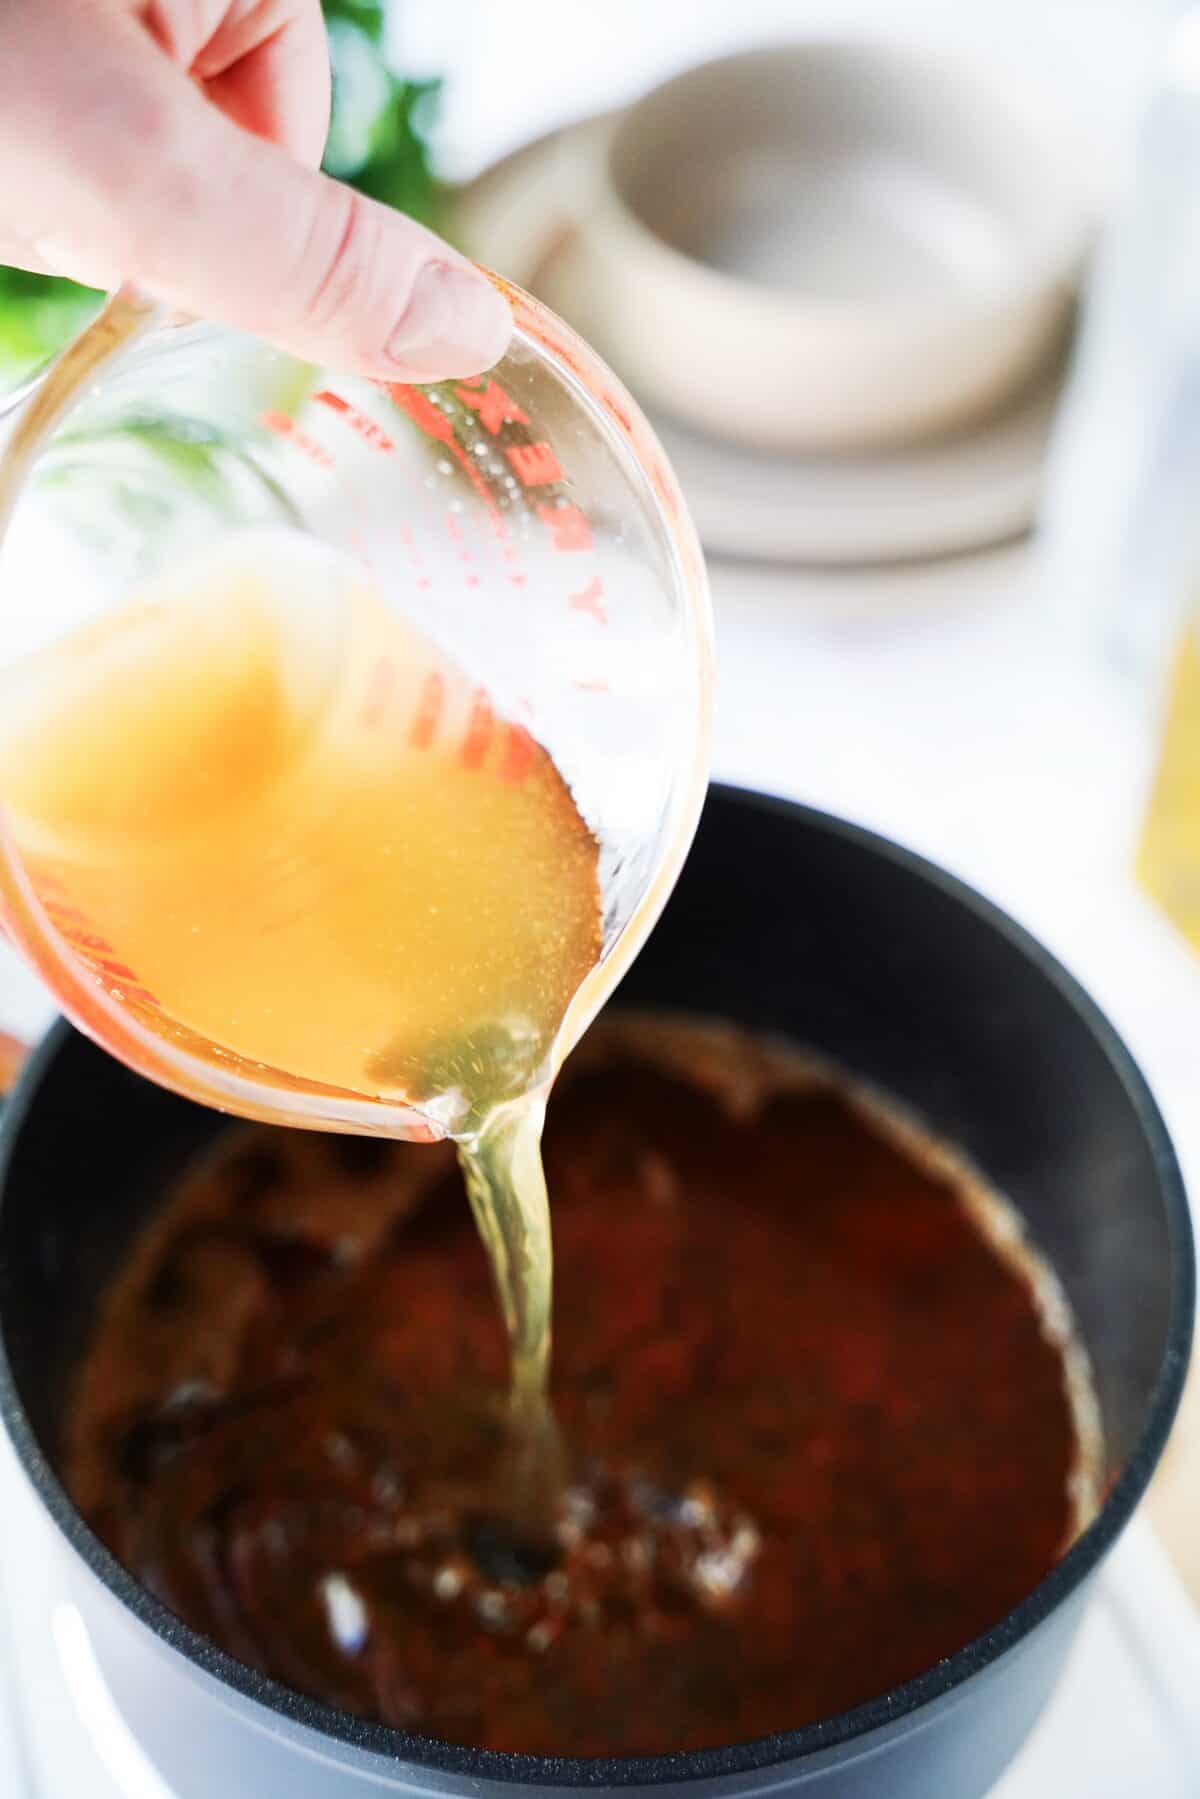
point(504, 83)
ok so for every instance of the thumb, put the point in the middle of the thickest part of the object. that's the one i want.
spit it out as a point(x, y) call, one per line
point(145, 180)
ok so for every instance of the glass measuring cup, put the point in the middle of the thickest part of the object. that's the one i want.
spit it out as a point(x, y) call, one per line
point(525, 523)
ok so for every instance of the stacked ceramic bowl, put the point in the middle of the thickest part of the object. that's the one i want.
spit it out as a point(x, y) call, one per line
point(840, 274)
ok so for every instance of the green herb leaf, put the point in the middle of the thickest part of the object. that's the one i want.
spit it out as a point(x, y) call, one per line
point(365, 14)
point(38, 313)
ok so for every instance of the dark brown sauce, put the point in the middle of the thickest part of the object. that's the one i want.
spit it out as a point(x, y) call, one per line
point(818, 1436)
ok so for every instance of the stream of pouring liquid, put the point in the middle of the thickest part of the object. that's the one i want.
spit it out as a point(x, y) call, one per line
point(303, 839)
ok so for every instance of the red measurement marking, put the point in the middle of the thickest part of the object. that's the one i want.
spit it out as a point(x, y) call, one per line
point(454, 529)
point(567, 526)
point(493, 405)
point(535, 465)
point(69, 915)
point(380, 689)
point(136, 995)
point(467, 464)
point(479, 730)
point(429, 711)
point(433, 421)
point(421, 1133)
point(94, 951)
point(590, 599)
point(105, 973)
point(618, 412)
point(119, 969)
point(283, 426)
point(520, 751)
point(663, 488)
point(89, 941)
point(360, 422)
point(359, 545)
point(422, 411)
point(406, 538)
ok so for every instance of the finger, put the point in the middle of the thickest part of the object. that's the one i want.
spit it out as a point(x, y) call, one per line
point(144, 173)
point(264, 62)
point(270, 75)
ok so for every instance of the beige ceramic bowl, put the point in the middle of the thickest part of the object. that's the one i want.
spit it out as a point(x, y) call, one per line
point(828, 245)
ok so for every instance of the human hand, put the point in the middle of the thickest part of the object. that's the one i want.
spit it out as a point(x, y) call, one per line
point(175, 143)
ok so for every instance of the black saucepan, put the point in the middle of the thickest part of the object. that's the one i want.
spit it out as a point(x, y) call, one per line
point(787, 921)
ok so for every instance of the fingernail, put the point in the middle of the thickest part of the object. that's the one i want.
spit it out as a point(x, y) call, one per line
point(455, 323)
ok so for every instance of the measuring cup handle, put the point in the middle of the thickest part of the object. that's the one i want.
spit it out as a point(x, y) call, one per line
point(127, 314)
point(125, 303)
